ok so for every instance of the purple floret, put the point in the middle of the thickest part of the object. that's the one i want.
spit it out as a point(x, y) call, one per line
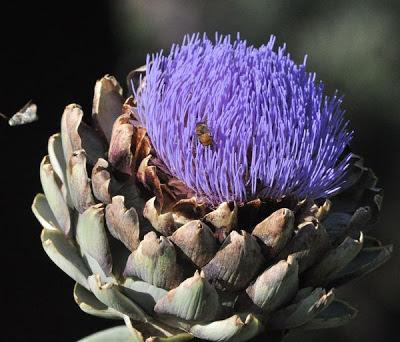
point(274, 131)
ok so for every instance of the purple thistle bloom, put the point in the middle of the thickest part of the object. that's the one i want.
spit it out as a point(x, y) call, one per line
point(274, 132)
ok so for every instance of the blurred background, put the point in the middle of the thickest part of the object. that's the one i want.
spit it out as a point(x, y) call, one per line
point(53, 52)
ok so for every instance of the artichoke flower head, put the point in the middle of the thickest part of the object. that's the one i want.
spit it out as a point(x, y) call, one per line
point(220, 202)
point(274, 132)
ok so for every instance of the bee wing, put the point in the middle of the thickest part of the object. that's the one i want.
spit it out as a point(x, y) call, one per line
point(3, 116)
point(27, 114)
point(25, 107)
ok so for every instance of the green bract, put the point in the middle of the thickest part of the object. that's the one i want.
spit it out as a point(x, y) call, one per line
point(173, 269)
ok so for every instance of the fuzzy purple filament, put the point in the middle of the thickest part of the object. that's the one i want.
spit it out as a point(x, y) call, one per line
point(274, 131)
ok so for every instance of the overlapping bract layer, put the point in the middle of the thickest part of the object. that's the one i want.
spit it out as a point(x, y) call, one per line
point(231, 273)
point(274, 131)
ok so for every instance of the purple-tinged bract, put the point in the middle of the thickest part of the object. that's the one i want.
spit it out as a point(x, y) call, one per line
point(274, 132)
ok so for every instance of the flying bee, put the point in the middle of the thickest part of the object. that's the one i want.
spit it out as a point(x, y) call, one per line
point(26, 114)
point(203, 134)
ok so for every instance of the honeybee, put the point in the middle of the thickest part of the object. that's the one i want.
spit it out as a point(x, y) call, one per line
point(203, 134)
point(26, 114)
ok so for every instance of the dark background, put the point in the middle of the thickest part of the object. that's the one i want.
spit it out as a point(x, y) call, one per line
point(53, 52)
